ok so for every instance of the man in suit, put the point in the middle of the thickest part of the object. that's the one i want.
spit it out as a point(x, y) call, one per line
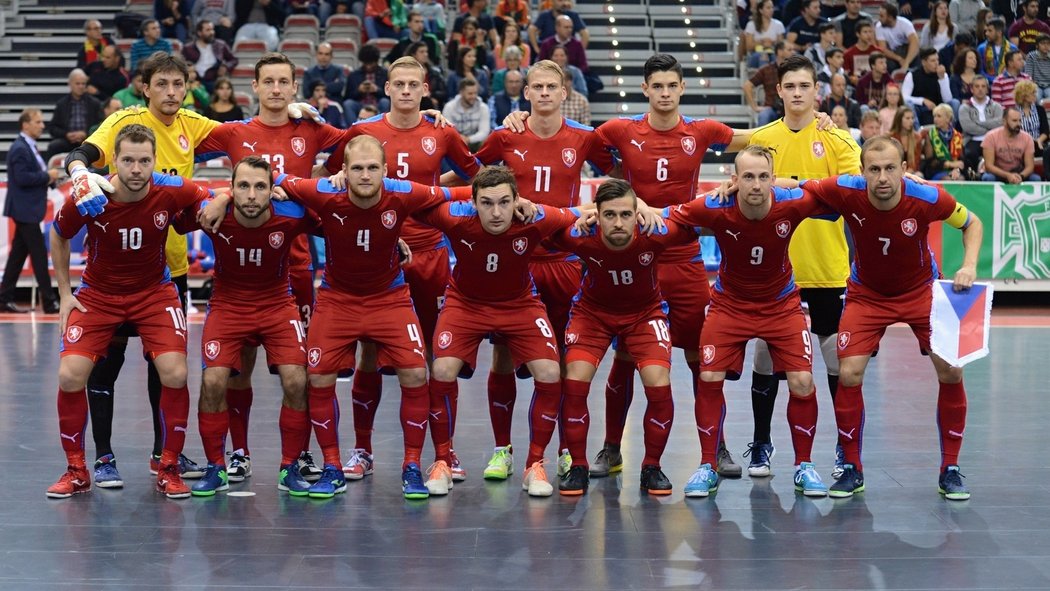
point(28, 179)
point(74, 114)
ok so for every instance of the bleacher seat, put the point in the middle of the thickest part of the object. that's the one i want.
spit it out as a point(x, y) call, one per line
point(143, 7)
point(343, 26)
point(124, 45)
point(217, 168)
point(300, 51)
point(244, 100)
point(344, 51)
point(248, 51)
point(242, 77)
point(384, 44)
point(302, 26)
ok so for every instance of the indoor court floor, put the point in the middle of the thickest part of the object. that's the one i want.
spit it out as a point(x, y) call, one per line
point(752, 534)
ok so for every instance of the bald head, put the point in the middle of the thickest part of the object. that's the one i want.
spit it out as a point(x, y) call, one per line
point(563, 26)
point(77, 82)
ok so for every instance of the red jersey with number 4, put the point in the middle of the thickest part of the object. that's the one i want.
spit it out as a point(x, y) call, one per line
point(125, 243)
point(892, 252)
point(621, 281)
point(755, 265)
point(494, 267)
point(361, 244)
point(414, 154)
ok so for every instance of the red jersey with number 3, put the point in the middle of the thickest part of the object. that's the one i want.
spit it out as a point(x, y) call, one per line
point(494, 267)
point(361, 244)
point(892, 250)
point(125, 243)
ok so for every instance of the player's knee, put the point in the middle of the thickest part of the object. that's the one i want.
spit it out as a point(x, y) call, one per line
point(444, 371)
point(711, 376)
point(949, 375)
point(545, 371)
point(213, 386)
point(294, 384)
point(71, 379)
point(850, 377)
point(800, 384)
point(412, 378)
point(173, 376)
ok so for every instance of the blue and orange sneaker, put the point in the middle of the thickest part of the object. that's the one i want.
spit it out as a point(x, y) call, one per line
point(331, 483)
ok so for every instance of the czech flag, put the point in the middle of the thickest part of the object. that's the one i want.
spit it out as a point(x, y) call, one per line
point(960, 322)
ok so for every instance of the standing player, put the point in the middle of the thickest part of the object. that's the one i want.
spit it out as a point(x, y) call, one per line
point(754, 297)
point(818, 250)
point(889, 218)
point(363, 297)
point(620, 299)
point(125, 281)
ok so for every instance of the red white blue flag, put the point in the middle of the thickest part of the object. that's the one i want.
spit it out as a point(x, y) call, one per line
point(960, 322)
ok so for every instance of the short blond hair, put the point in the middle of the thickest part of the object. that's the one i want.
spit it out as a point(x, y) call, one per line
point(545, 66)
point(407, 62)
point(946, 110)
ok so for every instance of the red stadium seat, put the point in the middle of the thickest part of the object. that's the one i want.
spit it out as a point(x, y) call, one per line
point(344, 51)
point(243, 99)
point(300, 51)
point(302, 26)
point(343, 26)
point(248, 51)
point(384, 44)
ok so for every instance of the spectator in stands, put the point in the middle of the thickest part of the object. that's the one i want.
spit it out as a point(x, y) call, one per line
point(468, 68)
point(1026, 30)
point(197, 97)
point(220, 12)
point(964, 14)
point(576, 106)
point(260, 20)
point(108, 108)
point(367, 112)
point(511, 39)
point(319, 8)
point(435, 79)
point(767, 78)
point(857, 58)
point(513, 63)
point(564, 38)
point(478, 10)
point(943, 147)
point(817, 53)
point(415, 32)
point(838, 117)
point(870, 126)
point(892, 101)
point(514, 12)
point(1037, 66)
point(132, 94)
point(469, 35)
point(915, 8)
point(28, 180)
point(903, 130)
point(510, 99)
point(992, 51)
point(940, 30)
point(543, 26)
point(330, 110)
point(804, 30)
point(380, 17)
point(470, 115)
point(148, 43)
point(964, 71)
point(332, 75)
point(833, 66)
point(1009, 154)
point(223, 106)
point(977, 117)
point(872, 86)
point(1033, 116)
point(1003, 85)
point(174, 18)
point(433, 16)
point(926, 86)
point(761, 33)
point(74, 114)
point(209, 56)
point(365, 85)
point(895, 36)
point(560, 57)
point(838, 98)
point(847, 22)
point(94, 43)
point(959, 44)
point(106, 77)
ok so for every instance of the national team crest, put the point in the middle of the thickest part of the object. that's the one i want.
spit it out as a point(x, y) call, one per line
point(688, 145)
point(818, 149)
point(314, 357)
point(389, 218)
point(844, 339)
point(430, 145)
point(444, 340)
point(276, 239)
point(184, 143)
point(568, 156)
point(520, 245)
point(298, 145)
point(74, 333)
point(646, 258)
point(160, 219)
point(211, 350)
point(571, 338)
point(709, 354)
point(909, 227)
point(783, 228)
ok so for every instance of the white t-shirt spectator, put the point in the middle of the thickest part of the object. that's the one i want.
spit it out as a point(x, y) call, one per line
point(775, 30)
point(896, 36)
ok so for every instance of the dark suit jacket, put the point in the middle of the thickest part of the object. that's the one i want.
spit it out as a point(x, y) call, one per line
point(59, 126)
point(27, 184)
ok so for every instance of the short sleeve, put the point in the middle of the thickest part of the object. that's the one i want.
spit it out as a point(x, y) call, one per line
point(68, 221)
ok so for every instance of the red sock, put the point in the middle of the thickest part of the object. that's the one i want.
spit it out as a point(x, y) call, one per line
point(295, 426)
point(174, 415)
point(503, 391)
point(659, 414)
point(324, 416)
point(576, 419)
point(849, 415)
point(619, 391)
point(543, 418)
point(951, 421)
point(213, 427)
point(710, 412)
point(72, 421)
point(802, 420)
point(415, 408)
point(440, 428)
point(239, 402)
point(366, 392)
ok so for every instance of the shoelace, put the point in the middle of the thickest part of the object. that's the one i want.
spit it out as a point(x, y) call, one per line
point(760, 453)
point(441, 468)
point(809, 473)
point(954, 478)
point(701, 475)
point(541, 472)
point(412, 478)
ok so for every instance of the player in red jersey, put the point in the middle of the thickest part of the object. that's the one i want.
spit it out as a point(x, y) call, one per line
point(620, 298)
point(363, 297)
point(417, 146)
point(290, 146)
point(251, 303)
point(491, 291)
point(546, 160)
point(126, 280)
point(893, 268)
point(754, 297)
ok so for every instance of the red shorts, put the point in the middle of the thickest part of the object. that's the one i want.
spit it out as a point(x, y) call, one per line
point(302, 284)
point(731, 324)
point(427, 277)
point(557, 282)
point(645, 335)
point(866, 315)
point(521, 325)
point(685, 289)
point(155, 312)
point(227, 328)
point(386, 319)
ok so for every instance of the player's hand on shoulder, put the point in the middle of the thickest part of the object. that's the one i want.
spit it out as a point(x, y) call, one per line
point(88, 190)
point(301, 110)
point(438, 117)
point(724, 190)
point(66, 304)
point(915, 178)
point(338, 180)
point(526, 211)
point(278, 194)
point(650, 219)
point(824, 122)
point(585, 222)
point(964, 278)
point(211, 215)
point(516, 121)
point(404, 252)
